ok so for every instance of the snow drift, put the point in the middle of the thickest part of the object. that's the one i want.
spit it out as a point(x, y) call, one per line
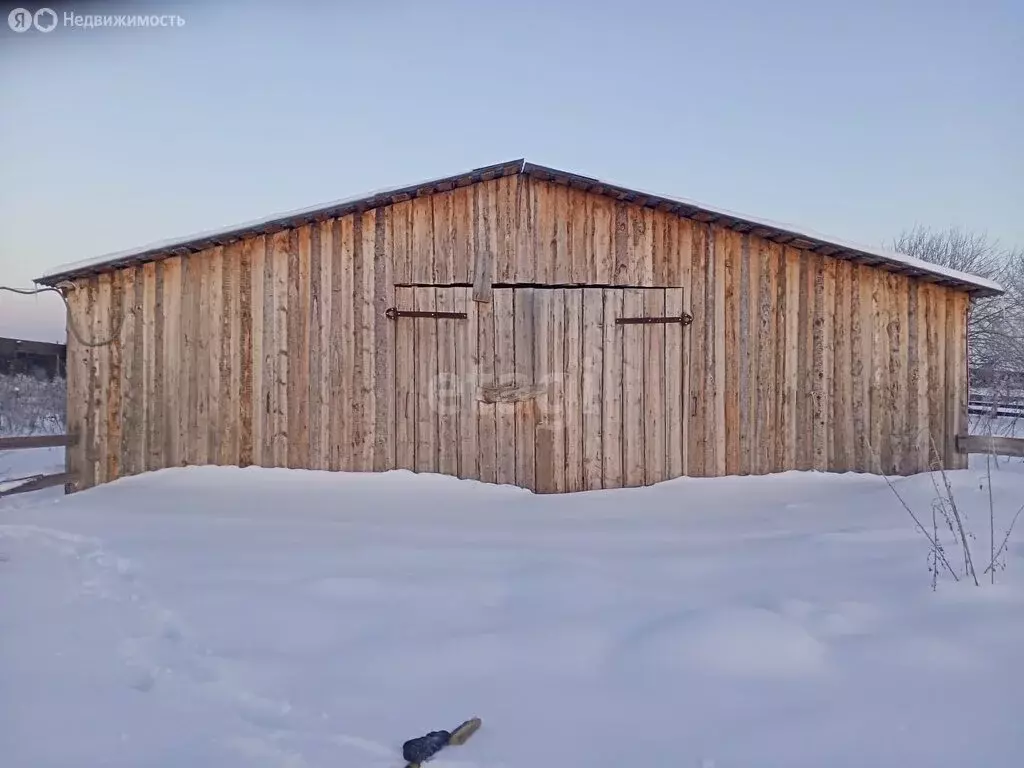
point(225, 618)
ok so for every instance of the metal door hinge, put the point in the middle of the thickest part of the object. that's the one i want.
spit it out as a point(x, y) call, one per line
point(684, 319)
point(393, 312)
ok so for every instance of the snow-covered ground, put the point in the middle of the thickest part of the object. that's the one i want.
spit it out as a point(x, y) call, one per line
point(217, 617)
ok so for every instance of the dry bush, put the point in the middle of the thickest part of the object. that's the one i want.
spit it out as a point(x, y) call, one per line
point(31, 406)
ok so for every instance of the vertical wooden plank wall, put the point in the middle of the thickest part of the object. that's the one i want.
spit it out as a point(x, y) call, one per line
point(275, 351)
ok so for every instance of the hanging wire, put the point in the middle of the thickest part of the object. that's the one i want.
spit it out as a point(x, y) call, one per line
point(70, 315)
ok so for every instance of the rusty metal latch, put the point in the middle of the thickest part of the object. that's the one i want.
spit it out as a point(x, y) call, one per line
point(392, 312)
point(684, 319)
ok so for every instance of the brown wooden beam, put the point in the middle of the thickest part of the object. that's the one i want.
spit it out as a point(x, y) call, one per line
point(990, 444)
point(35, 441)
point(39, 483)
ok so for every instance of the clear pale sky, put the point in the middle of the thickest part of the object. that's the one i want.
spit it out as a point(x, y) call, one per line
point(853, 119)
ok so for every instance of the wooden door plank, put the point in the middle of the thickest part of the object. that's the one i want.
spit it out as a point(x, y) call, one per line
point(189, 300)
point(462, 231)
point(212, 331)
point(767, 257)
point(342, 342)
point(559, 270)
point(951, 404)
point(91, 363)
point(505, 373)
point(427, 370)
point(115, 374)
point(126, 381)
point(445, 385)
point(467, 357)
point(612, 391)
point(136, 424)
point(525, 228)
point(75, 394)
point(214, 327)
point(361, 408)
point(484, 241)
point(580, 238)
point(804, 360)
point(405, 381)
point(157, 454)
point(365, 370)
point(715, 344)
point(252, 325)
point(819, 365)
point(421, 264)
point(559, 375)
point(898, 353)
point(231, 357)
point(526, 418)
point(788, 425)
point(401, 241)
point(595, 338)
point(543, 405)
point(879, 373)
point(104, 296)
point(487, 374)
point(506, 226)
point(324, 406)
point(828, 367)
point(201, 351)
point(863, 336)
point(632, 390)
point(285, 276)
point(961, 390)
point(655, 426)
point(383, 389)
point(684, 259)
point(172, 361)
point(842, 439)
point(917, 381)
point(730, 348)
point(545, 210)
point(444, 266)
point(741, 312)
point(602, 213)
point(662, 247)
point(697, 404)
point(576, 371)
point(314, 311)
point(675, 414)
point(641, 250)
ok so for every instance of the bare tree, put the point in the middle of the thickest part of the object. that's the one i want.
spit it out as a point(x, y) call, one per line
point(996, 324)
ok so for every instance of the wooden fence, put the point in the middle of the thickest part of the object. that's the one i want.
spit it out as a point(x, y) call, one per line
point(36, 482)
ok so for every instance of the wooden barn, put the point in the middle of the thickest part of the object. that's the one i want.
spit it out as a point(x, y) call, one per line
point(516, 324)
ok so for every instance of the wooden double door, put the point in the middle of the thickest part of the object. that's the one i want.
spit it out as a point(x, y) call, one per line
point(551, 389)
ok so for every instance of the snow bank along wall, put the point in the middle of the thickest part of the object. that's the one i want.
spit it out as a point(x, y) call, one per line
point(517, 325)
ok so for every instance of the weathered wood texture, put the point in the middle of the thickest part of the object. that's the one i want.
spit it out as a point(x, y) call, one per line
point(276, 351)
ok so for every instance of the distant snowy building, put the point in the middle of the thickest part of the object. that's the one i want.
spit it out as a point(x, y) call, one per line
point(40, 359)
point(517, 324)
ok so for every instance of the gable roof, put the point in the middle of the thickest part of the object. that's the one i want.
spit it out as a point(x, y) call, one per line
point(781, 233)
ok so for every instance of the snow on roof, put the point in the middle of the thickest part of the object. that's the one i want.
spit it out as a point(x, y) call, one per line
point(800, 237)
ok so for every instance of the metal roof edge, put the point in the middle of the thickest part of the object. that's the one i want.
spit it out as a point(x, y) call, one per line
point(776, 231)
point(275, 222)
